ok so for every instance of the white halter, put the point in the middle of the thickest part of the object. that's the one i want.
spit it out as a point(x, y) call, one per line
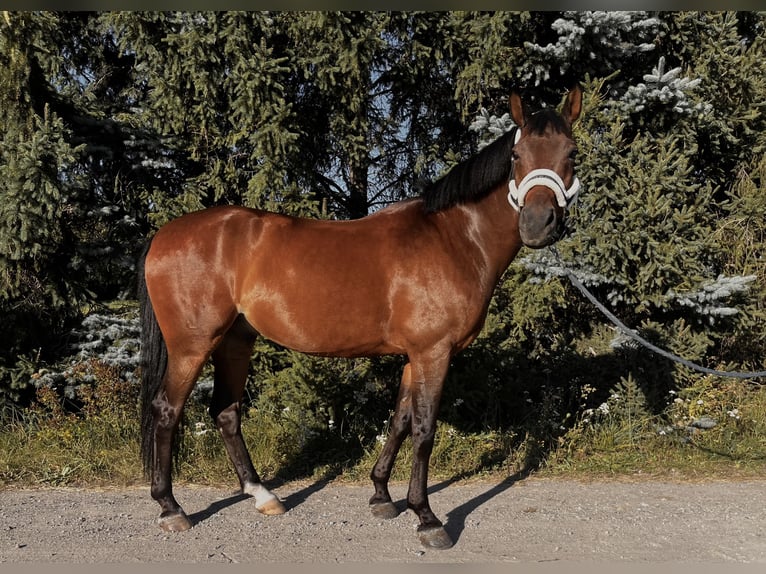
point(547, 177)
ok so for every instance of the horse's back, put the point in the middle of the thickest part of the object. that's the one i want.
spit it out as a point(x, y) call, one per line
point(312, 285)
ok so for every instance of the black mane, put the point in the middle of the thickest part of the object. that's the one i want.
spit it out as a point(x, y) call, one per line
point(475, 177)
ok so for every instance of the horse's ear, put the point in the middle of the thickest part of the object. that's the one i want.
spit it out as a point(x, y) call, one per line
point(517, 109)
point(573, 104)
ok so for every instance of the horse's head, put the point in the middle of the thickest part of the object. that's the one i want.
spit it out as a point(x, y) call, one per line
point(543, 183)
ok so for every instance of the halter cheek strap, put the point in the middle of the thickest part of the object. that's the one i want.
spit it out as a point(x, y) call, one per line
point(548, 178)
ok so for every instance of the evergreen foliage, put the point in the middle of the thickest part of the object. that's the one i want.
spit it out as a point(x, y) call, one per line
point(116, 122)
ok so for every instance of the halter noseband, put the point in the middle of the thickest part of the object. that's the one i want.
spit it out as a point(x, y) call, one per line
point(546, 177)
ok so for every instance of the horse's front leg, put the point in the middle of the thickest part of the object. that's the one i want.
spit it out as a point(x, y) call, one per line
point(427, 382)
point(380, 503)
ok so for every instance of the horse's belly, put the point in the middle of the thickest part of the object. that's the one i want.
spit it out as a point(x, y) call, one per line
point(326, 328)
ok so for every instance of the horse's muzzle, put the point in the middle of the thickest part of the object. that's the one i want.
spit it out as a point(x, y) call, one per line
point(540, 224)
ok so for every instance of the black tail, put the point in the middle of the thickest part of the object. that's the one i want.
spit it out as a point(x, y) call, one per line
point(154, 360)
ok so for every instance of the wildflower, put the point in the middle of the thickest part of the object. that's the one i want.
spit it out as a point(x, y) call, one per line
point(734, 413)
point(200, 429)
point(664, 430)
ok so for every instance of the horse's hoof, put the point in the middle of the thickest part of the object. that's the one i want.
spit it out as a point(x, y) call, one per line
point(175, 522)
point(385, 510)
point(435, 537)
point(271, 507)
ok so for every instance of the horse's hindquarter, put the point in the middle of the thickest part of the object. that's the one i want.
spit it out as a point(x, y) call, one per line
point(188, 272)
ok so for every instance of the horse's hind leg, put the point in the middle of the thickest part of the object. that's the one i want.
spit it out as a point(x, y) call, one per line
point(231, 360)
point(380, 503)
point(182, 371)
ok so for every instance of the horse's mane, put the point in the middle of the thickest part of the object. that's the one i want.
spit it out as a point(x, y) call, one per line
point(477, 176)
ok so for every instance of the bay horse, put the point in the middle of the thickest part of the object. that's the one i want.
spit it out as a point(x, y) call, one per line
point(415, 279)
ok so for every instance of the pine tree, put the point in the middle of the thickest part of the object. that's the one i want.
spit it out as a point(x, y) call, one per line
point(661, 148)
point(68, 233)
point(36, 172)
point(118, 122)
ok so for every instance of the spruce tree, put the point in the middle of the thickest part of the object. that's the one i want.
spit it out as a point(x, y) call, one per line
point(118, 122)
point(36, 175)
point(69, 227)
point(664, 147)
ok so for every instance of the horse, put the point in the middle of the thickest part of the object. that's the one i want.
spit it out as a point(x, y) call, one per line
point(415, 278)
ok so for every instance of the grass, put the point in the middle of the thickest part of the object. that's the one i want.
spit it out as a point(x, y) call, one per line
point(97, 444)
point(618, 443)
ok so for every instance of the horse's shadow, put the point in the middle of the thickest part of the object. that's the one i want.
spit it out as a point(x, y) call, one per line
point(290, 501)
point(299, 497)
point(456, 517)
point(216, 507)
point(454, 525)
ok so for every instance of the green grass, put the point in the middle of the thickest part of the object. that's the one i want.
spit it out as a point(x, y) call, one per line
point(668, 445)
point(46, 445)
point(98, 444)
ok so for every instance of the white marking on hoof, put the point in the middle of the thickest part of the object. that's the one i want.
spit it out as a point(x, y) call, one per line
point(265, 501)
point(271, 507)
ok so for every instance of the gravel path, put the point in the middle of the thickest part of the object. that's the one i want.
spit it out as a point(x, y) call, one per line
point(529, 521)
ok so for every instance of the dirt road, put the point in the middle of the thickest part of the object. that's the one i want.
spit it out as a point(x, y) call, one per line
point(529, 521)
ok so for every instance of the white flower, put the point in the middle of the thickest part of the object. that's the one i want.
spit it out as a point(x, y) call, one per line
point(200, 429)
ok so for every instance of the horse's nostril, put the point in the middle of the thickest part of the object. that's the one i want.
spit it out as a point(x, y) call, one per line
point(551, 218)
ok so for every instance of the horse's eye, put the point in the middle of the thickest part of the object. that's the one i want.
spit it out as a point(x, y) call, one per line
point(514, 156)
point(573, 155)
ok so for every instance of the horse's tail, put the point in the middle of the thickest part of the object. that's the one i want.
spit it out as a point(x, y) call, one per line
point(154, 359)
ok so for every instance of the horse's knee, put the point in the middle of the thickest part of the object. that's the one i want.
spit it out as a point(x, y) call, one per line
point(423, 441)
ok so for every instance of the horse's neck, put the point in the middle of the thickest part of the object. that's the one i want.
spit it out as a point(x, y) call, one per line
point(492, 230)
